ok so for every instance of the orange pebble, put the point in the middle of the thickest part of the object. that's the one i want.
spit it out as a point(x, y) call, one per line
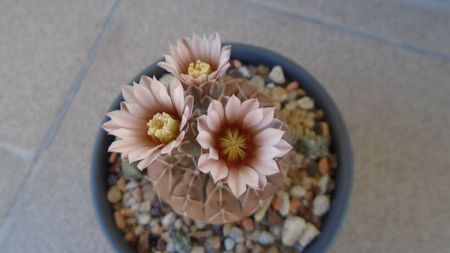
point(324, 167)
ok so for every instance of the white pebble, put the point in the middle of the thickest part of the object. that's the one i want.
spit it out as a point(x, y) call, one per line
point(266, 238)
point(309, 234)
point(298, 191)
point(259, 215)
point(323, 183)
point(306, 103)
point(200, 224)
point(144, 218)
point(321, 204)
point(292, 230)
point(168, 220)
point(245, 72)
point(229, 244)
point(285, 204)
point(277, 75)
point(197, 249)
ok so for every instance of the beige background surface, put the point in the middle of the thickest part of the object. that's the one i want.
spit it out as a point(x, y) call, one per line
point(385, 62)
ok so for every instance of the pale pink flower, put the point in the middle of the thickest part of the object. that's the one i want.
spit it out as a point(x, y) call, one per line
point(197, 59)
point(151, 121)
point(240, 142)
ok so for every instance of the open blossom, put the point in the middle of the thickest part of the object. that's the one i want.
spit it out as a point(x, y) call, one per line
point(241, 141)
point(151, 121)
point(197, 59)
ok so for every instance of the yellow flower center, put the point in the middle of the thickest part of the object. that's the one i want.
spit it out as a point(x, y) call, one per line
point(198, 68)
point(233, 145)
point(163, 127)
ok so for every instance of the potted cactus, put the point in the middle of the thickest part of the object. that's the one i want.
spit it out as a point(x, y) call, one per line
point(207, 154)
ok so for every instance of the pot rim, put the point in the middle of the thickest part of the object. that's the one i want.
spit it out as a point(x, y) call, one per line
point(341, 145)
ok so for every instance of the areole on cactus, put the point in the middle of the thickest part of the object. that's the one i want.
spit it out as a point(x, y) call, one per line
point(210, 144)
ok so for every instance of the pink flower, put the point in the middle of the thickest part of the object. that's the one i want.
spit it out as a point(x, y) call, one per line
point(241, 142)
point(197, 59)
point(151, 121)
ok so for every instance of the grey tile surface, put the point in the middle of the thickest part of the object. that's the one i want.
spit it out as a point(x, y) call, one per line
point(13, 171)
point(394, 101)
point(42, 46)
point(408, 23)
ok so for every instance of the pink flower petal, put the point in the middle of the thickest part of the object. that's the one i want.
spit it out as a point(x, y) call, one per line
point(202, 124)
point(216, 106)
point(268, 114)
point(213, 121)
point(159, 92)
point(262, 181)
point(268, 137)
point(213, 153)
point(236, 184)
point(284, 147)
point(248, 175)
point(265, 166)
point(203, 163)
point(247, 106)
point(231, 108)
point(124, 119)
point(267, 152)
point(219, 170)
point(205, 139)
point(252, 118)
point(149, 159)
point(177, 95)
point(125, 146)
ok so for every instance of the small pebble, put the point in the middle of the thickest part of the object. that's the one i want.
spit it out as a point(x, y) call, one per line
point(284, 208)
point(277, 75)
point(120, 221)
point(245, 72)
point(227, 229)
point(200, 224)
point(278, 94)
point(178, 224)
point(156, 229)
point(145, 206)
point(323, 183)
point(324, 167)
point(292, 86)
point(294, 205)
point(236, 63)
point(240, 248)
point(291, 106)
point(229, 244)
point(168, 220)
point(321, 204)
point(198, 249)
point(144, 218)
point(298, 191)
point(235, 233)
point(259, 215)
point(292, 230)
point(258, 81)
point(247, 224)
point(262, 70)
point(306, 103)
point(266, 238)
point(114, 194)
point(309, 234)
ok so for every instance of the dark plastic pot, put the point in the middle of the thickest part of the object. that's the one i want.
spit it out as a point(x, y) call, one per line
point(254, 55)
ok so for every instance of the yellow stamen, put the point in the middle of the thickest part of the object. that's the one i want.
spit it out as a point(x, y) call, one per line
point(233, 145)
point(199, 68)
point(163, 127)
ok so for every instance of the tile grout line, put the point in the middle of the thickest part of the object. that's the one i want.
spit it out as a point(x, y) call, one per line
point(61, 112)
point(352, 31)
